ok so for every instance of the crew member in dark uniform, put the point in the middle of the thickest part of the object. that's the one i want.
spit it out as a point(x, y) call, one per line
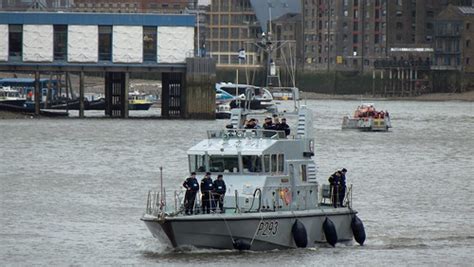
point(334, 181)
point(192, 187)
point(284, 127)
point(206, 193)
point(342, 187)
point(219, 192)
point(268, 125)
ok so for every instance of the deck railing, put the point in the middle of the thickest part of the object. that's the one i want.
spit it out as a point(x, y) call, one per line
point(156, 202)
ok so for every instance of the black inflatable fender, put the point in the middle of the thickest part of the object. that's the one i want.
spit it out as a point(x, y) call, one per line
point(330, 232)
point(240, 244)
point(299, 234)
point(358, 230)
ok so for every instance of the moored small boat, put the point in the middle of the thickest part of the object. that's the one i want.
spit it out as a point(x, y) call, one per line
point(245, 96)
point(11, 96)
point(138, 101)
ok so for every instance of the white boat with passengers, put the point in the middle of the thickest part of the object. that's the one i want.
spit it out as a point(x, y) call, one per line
point(273, 199)
point(367, 118)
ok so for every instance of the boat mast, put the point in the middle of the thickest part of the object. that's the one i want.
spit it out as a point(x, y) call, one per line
point(269, 46)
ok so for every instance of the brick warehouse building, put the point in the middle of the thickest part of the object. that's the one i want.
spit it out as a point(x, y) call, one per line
point(365, 30)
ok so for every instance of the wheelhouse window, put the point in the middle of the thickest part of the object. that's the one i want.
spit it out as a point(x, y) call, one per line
point(218, 163)
point(197, 163)
point(105, 42)
point(266, 163)
point(281, 163)
point(274, 163)
point(15, 41)
point(60, 42)
point(149, 44)
point(252, 163)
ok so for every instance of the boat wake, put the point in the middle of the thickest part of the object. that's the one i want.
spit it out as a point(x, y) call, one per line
point(420, 243)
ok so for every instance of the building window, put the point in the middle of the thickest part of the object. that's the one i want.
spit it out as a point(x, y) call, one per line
point(105, 42)
point(468, 61)
point(468, 26)
point(355, 38)
point(468, 43)
point(149, 44)
point(15, 41)
point(60, 42)
point(376, 39)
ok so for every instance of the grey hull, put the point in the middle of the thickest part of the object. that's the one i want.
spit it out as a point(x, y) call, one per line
point(265, 231)
point(366, 125)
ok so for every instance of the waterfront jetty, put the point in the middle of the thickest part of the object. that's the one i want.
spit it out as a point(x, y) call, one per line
point(48, 43)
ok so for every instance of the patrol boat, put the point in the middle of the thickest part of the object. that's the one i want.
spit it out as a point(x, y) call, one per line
point(273, 199)
point(367, 118)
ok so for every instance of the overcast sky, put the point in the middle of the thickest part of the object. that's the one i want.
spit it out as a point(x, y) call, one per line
point(204, 2)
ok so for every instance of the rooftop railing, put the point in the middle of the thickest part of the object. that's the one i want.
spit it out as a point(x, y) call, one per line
point(245, 133)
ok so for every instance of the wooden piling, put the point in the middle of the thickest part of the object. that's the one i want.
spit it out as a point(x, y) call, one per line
point(37, 93)
point(67, 90)
point(81, 95)
point(125, 94)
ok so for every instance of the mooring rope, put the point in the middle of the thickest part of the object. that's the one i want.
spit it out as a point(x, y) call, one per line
point(256, 230)
point(227, 226)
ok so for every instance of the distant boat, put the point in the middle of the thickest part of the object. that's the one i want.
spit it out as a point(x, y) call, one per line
point(139, 101)
point(367, 118)
point(136, 101)
point(223, 96)
point(11, 96)
point(223, 111)
point(11, 100)
point(245, 95)
point(282, 93)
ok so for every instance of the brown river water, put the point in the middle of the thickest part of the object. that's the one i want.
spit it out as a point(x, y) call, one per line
point(72, 191)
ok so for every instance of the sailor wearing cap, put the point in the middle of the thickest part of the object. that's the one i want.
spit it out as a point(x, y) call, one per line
point(268, 125)
point(334, 181)
point(284, 127)
point(342, 186)
point(219, 192)
point(206, 193)
point(192, 187)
